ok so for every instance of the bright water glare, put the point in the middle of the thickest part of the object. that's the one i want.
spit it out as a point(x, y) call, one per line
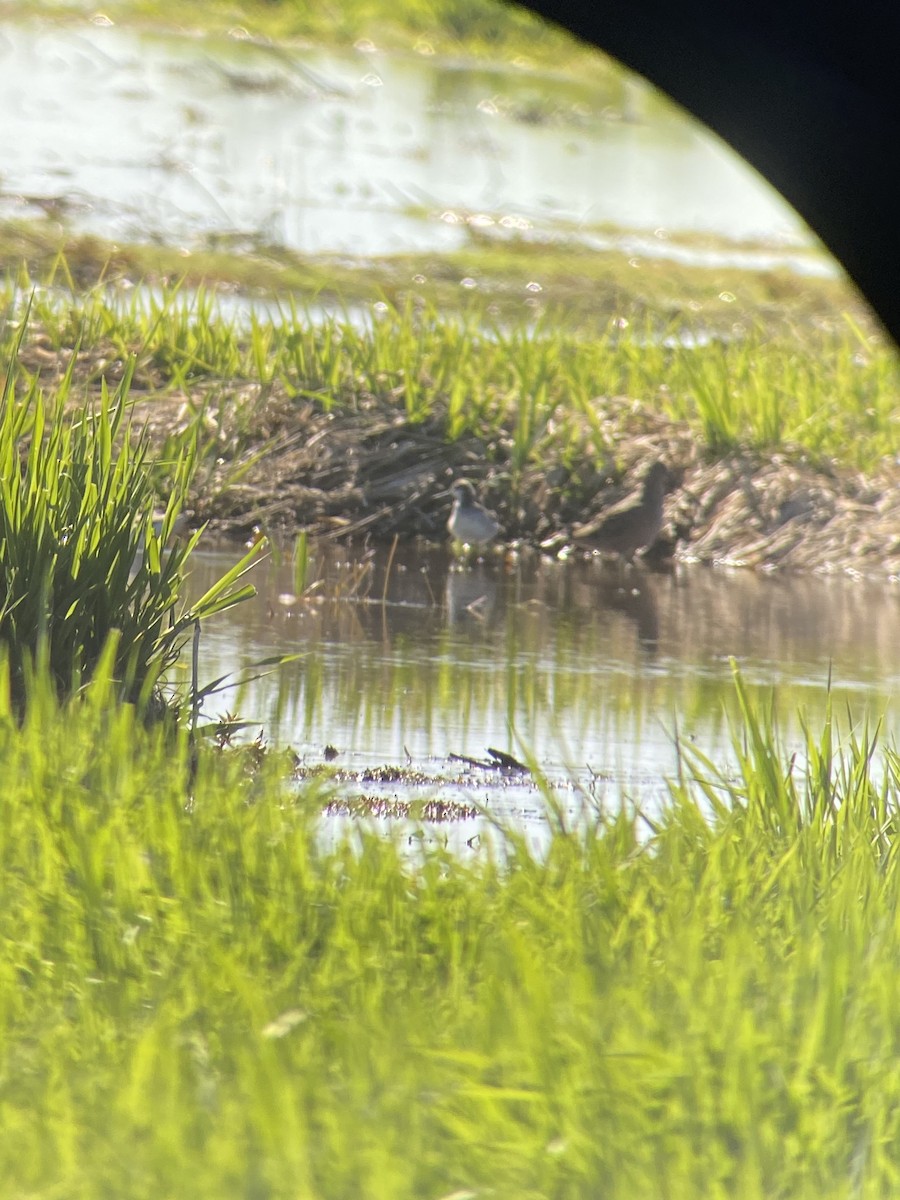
point(133, 135)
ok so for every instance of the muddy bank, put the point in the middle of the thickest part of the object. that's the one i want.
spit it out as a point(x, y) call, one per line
point(364, 470)
point(370, 473)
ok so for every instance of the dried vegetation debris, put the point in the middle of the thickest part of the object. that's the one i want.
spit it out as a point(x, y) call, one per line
point(357, 794)
point(782, 512)
point(364, 468)
point(369, 470)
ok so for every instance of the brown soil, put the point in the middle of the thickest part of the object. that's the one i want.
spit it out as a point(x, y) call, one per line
point(371, 473)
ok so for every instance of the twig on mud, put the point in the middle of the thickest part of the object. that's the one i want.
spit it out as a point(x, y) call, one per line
point(387, 569)
point(498, 761)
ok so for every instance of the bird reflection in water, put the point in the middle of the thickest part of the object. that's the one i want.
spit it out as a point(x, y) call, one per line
point(471, 597)
point(617, 589)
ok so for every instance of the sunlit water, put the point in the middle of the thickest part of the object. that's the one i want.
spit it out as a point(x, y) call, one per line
point(590, 669)
point(140, 136)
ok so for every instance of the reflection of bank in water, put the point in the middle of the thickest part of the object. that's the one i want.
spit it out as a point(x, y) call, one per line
point(583, 662)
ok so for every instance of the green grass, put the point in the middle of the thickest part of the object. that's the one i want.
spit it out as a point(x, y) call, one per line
point(201, 988)
point(583, 290)
point(536, 395)
point(86, 573)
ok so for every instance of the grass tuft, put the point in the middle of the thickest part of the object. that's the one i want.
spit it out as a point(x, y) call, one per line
point(86, 566)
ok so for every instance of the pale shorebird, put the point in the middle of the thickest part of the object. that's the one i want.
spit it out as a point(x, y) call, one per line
point(625, 530)
point(470, 522)
point(179, 530)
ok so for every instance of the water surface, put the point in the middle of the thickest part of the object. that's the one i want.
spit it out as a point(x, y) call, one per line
point(589, 667)
point(184, 139)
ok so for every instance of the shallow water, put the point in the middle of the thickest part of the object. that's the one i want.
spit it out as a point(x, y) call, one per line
point(133, 135)
point(588, 667)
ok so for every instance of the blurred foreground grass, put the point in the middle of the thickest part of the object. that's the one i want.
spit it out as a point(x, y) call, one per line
point(205, 987)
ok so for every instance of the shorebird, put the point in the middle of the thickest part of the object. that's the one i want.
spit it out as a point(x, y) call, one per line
point(470, 522)
point(625, 530)
point(179, 530)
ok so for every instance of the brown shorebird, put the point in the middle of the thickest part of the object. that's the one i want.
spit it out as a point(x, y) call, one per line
point(470, 522)
point(625, 530)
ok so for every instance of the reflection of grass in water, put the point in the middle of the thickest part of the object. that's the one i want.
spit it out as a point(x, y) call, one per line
point(197, 977)
point(575, 685)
